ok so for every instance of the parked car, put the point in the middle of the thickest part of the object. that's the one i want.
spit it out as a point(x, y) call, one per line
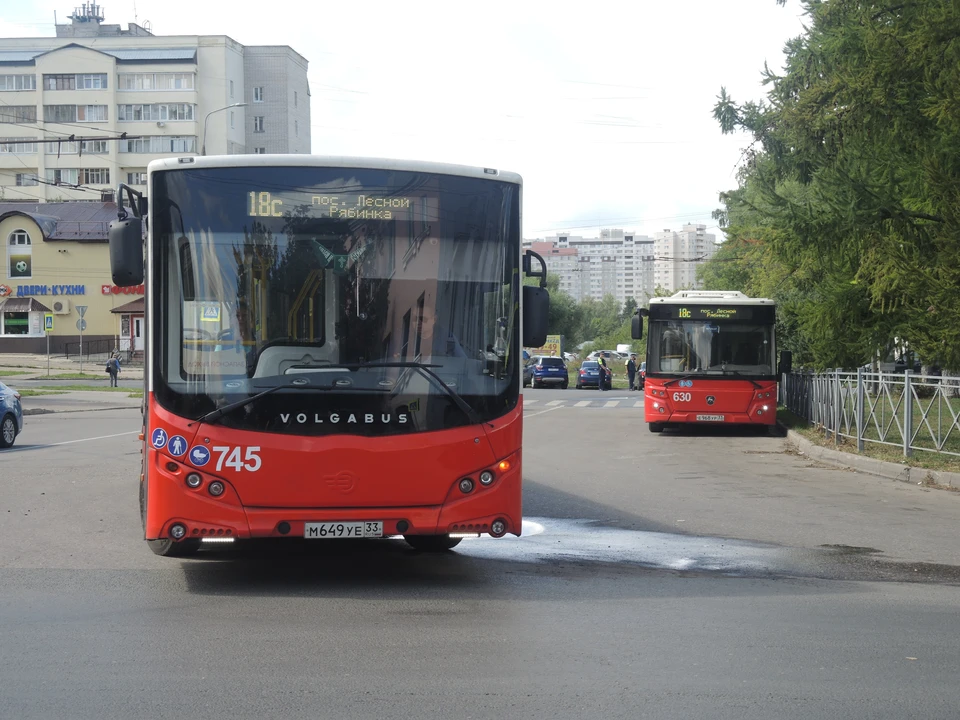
point(527, 372)
point(643, 374)
point(549, 371)
point(11, 416)
point(589, 376)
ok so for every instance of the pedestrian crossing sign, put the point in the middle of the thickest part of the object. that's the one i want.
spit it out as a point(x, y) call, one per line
point(48, 322)
point(210, 313)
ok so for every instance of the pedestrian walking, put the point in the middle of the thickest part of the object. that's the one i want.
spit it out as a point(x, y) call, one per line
point(631, 370)
point(113, 367)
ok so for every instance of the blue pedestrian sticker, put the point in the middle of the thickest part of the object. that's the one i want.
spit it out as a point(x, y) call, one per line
point(199, 456)
point(159, 438)
point(177, 446)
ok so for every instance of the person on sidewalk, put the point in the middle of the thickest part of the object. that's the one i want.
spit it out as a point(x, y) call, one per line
point(631, 371)
point(113, 367)
point(604, 371)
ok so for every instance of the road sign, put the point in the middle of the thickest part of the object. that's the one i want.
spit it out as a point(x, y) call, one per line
point(48, 322)
point(81, 309)
point(81, 324)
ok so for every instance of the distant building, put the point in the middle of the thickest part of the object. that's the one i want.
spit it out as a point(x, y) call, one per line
point(163, 95)
point(678, 254)
point(617, 263)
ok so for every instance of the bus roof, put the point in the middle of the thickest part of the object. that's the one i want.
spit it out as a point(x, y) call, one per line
point(290, 160)
point(726, 297)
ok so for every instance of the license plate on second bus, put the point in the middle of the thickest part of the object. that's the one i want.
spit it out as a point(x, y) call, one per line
point(340, 530)
point(709, 418)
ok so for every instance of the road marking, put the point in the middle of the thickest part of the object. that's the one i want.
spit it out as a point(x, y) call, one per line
point(583, 403)
point(529, 402)
point(638, 403)
point(70, 442)
point(611, 403)
point(555, 402)
point(542, 412)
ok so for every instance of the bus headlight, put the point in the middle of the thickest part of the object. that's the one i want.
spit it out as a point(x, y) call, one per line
point(216, 488)
point(486, 477)
point(466, 485)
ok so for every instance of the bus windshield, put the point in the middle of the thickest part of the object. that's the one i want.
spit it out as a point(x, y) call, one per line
point(716, 348)
point(340, 279)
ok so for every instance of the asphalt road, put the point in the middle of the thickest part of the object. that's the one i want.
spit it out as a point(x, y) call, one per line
point(661, 576)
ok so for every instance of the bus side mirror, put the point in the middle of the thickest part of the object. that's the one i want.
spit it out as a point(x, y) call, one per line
point(636, 326)
point(126, 251)
point(786, 362)
point(536, 309)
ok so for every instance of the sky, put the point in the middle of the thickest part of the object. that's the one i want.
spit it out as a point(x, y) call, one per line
point(605, 109)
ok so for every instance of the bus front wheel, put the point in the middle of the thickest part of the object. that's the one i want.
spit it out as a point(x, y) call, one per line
point(169, 548)
point(655, 427)
point(432, 543)
point(165, 547)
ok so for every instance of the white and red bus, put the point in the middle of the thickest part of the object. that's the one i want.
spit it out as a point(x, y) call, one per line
point(333, 348)
point(710, 359)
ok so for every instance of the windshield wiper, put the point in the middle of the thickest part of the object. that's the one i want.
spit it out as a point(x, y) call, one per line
point(685, 377)
point(428, 371)
point(221, 411)
point(740, 374)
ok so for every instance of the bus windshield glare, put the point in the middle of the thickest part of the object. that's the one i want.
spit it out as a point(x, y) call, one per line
point(708, 347)
point(335, 282)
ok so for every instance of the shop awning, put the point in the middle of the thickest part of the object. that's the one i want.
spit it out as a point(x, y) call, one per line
point(134, 308)
point(23, 305)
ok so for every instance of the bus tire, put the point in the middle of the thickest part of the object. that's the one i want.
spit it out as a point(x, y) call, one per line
point(655, 427)
point(165, 547)
point(432, 543)
point(168, 548)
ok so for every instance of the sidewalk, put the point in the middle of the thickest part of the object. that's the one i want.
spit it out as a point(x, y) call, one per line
point(35, 366)
point(871, 466)
point(79, 401)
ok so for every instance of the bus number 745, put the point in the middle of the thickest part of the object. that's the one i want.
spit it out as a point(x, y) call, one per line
point(230, 457)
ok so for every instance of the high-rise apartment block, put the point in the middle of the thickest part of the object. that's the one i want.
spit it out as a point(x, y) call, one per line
point(624, 264)
point(89, 108)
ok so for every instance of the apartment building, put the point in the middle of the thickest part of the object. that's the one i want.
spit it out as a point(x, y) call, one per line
point(678, 254)
point(89, 108)
point(618, 263)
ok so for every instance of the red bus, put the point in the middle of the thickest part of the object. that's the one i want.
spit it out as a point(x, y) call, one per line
point(332, 348)
point(710, 360)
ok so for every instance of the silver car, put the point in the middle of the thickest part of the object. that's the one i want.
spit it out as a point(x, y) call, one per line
point(11, 416)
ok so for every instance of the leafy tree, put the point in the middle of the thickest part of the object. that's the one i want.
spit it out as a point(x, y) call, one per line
point(847, 210)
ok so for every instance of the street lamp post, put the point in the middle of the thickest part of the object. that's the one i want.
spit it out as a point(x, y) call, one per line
point(203, 145)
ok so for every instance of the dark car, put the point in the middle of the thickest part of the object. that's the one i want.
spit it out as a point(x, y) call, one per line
point(589, 376)
point(548, 371)
point(11, 416)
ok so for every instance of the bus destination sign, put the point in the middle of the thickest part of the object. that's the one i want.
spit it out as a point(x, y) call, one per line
point(713, 312)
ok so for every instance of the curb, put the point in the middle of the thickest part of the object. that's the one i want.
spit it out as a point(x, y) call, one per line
point(881, 468)
point(45, 411)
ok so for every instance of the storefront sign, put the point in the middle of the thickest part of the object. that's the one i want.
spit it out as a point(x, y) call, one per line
point(29, 290)
point(117, 290)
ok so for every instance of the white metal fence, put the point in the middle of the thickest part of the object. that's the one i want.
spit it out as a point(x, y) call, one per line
point(912, 412)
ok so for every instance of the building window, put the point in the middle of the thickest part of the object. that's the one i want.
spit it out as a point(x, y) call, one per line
point(231, 89)
point(18, 82)
point(26, 179)
point(159, 144)
point(93, 147)
point(258, 123)
point(137, 177)
point(296, 128)
point(156, 81)
point(154, 113)
point(18, 113)
point(232, 125)
point(260, 151)
point(295, 98)
point(19, 255)
point(81, 176)
point(18, 146)
point(74, 113)
point(258, 94)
